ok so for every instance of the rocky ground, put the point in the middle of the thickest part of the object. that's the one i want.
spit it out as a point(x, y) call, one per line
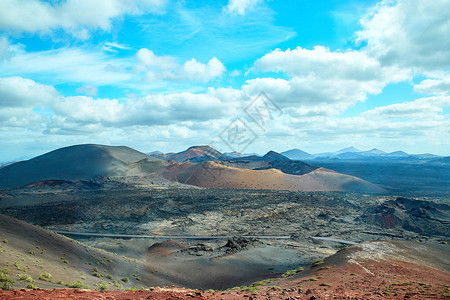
point(303, 216)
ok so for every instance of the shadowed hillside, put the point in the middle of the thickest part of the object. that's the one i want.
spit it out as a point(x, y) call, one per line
point(80, 162)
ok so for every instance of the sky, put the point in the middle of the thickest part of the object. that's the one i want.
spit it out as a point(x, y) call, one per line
point(239, 75)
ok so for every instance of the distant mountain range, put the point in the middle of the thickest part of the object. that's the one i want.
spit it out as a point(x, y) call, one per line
point(352, 153)
point(200, 166)
point(349, 153)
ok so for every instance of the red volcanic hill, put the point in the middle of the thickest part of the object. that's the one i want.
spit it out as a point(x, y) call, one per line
point(213, 174)
point(197, 154)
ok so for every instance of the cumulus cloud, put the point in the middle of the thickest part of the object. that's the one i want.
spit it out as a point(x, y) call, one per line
point(195, 70)
point(74, 16)
point(240, 7)
point(166, 68)
point(21, 92)
point(147, 58)
point(320, 76)
point(84, 113)
point(409, 33)
point(423, 108)
point(434, 86)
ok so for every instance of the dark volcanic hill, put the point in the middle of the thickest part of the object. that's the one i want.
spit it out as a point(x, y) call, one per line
point(80, 162)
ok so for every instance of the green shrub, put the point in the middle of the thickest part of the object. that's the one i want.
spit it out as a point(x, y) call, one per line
point(136, 277)
point(45, 276)
point(60, 282)
point(324, 284)
point(317, 262)
point(77, 285)
point(18, 266)
point(5, 241)
point(32, 287)
point(116, 284)
point(250, 289)
point(5, 278)
point(125, 279)
point(109, 276)
point(5, 271)
point(25, 277)
point(6, 286)
point(313, 279)
point(102, 286)
point(290, 273)
point(97, 274)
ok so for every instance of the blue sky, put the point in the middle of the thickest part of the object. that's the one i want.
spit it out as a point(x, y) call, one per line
point(165, 75)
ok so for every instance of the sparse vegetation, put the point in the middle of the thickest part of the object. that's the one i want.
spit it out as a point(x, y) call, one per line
point(109, 276)
point(116, 284)
point(18, 266)
point(136, 277)
point(324, 284)
point(5, 280)
point(291, 273)
point(102, 286)
point(5, 241)
point(77, 285)
point(317, 262)
point(25, 278)
point(32, 287)
point(45, 276)
point(125, 279)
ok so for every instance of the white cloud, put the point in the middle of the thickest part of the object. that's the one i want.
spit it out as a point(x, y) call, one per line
point(74, 16)
point(147, 58)
point(83, 113)
point(320, 61)
point(320, 76)
point(4, 44)
point(113, 46)
point(159, 68)
point(434, 86)
point(240, 7)
point(75, 65)
point(88, 90)
point(423, 108)
point(195, 70)
point(409, 33)
point(21, 92)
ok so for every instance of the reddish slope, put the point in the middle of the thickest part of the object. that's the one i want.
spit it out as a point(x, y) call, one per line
point(211, 174)
point(371, 270)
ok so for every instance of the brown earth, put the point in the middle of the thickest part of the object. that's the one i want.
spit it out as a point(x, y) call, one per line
point(215, 175)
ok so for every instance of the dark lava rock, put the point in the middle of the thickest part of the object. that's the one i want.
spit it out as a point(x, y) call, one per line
point(236, 244)
point(424, 217)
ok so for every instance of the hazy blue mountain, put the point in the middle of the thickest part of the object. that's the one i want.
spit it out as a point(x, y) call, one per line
point(297, 154)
